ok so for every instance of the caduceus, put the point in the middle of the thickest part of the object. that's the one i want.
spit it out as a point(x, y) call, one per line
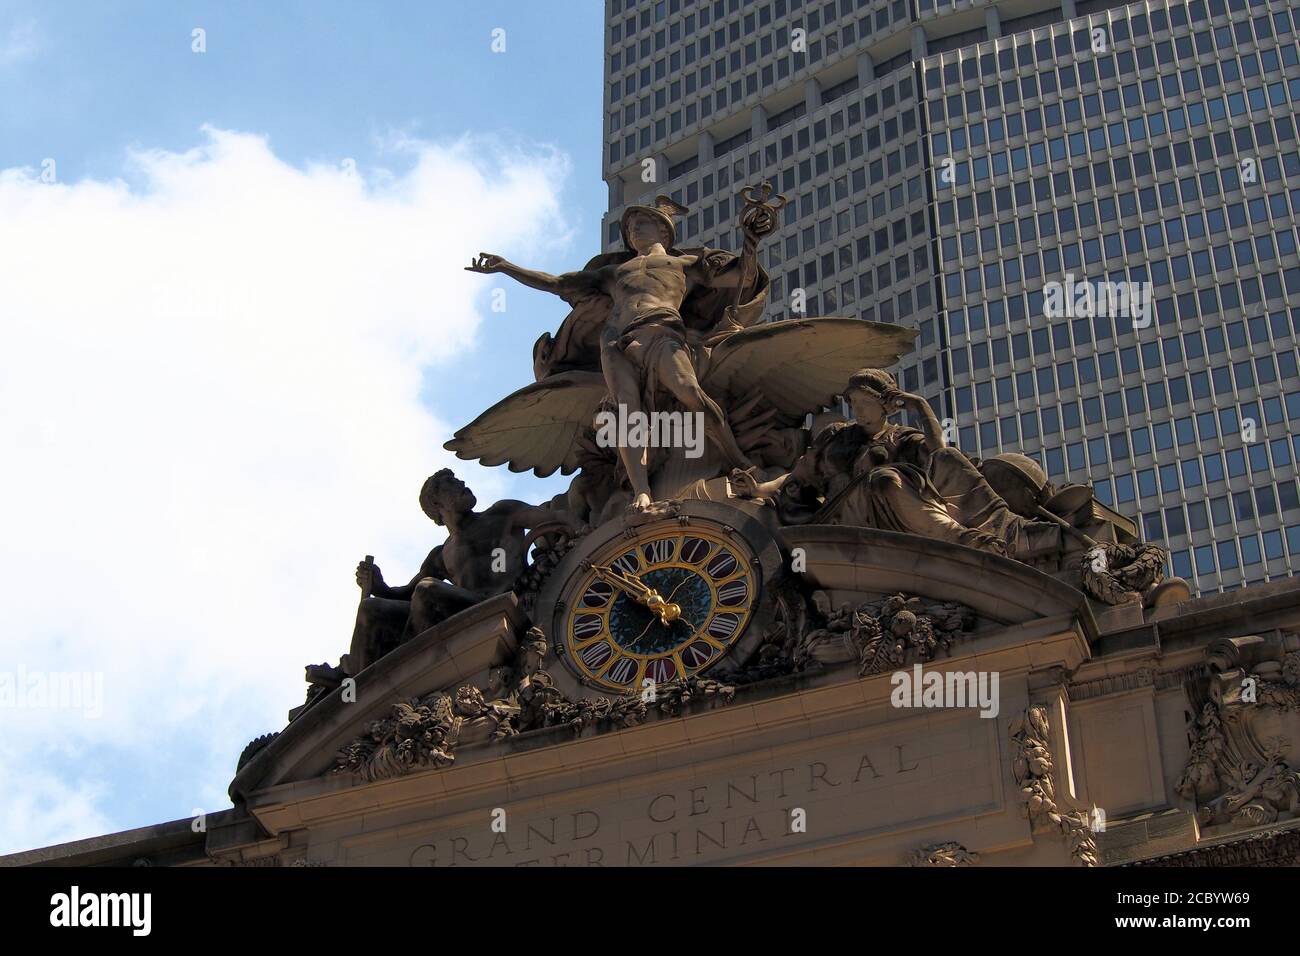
point(757, 220)
point(759, 214)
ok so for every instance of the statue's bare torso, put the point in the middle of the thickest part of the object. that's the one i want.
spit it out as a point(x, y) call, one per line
point(485, 544)
point(646, 286)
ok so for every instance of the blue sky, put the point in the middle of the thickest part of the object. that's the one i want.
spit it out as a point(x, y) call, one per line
point(321, 80)
point(229, 364)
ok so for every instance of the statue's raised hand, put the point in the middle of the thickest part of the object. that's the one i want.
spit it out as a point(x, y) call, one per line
point(758, 222)
point(894, 399)
point(485, 263)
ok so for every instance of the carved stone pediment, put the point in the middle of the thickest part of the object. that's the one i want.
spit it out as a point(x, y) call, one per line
point(865, 563)
point(886, 633)
point(874, 601)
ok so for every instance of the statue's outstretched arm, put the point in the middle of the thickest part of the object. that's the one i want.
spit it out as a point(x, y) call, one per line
point(568, 282)
point(526, 516)
point(744, 484)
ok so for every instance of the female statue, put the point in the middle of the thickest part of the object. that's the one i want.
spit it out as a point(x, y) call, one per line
point(873, 473)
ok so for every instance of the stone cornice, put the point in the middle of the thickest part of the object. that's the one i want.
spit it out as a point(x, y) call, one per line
point(1145, 675)
point(1278, 846)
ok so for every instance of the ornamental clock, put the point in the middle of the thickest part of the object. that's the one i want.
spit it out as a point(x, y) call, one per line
point(661, 600)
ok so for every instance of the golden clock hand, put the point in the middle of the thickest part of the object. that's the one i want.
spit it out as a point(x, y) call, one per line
point(629, 582)
point(669, 613)
point(640, 592)
point(676, 617)
point(633, 581)
point(634, 588)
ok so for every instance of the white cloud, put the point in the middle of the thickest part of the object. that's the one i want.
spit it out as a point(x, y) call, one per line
point(46, 810)
point(19, 43)
point(209, 410)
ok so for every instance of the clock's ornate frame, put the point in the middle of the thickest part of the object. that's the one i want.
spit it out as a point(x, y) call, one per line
point(559, 594)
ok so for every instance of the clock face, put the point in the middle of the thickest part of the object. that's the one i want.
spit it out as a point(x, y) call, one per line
point(668, 605)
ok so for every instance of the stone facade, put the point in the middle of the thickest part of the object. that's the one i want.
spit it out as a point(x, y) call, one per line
point(1120, 737)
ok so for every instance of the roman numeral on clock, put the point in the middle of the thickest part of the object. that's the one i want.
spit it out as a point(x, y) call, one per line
point(623, 671)
point(661, 669)
point(597, 595)
point(722, 565)
point(697, 655)
point(723, 626)
point(589, 625)
point(694, 550)
point(733, 593)
point(628, 563)
point(657, 552)
point(596, 654)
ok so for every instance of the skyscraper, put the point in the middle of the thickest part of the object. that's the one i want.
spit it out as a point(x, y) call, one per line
point(1087, 209)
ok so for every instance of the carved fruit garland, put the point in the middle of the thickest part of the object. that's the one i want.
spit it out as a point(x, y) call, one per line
point(1033, 769)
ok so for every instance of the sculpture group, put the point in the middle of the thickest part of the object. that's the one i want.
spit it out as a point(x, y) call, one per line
point(655, 329)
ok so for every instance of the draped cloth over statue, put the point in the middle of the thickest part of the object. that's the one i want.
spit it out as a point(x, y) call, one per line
point(892, 481)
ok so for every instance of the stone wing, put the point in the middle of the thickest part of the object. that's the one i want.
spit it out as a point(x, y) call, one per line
point(536, 427)
point(800, 365)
